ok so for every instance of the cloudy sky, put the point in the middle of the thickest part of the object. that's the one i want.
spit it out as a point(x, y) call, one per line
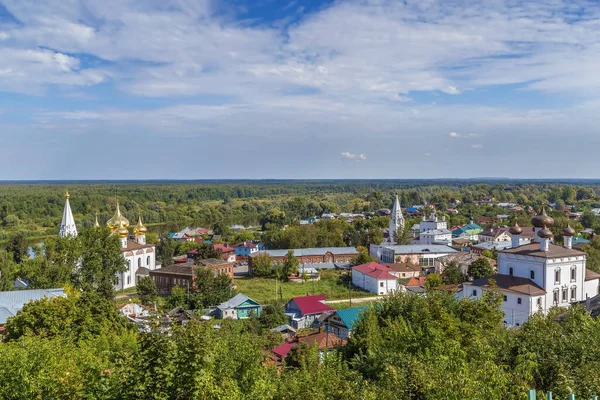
point(128, 89)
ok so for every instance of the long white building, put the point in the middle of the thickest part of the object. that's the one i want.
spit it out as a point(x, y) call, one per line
point(538, 276)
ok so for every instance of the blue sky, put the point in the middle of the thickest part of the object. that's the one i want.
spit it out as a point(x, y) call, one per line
point(185, 89)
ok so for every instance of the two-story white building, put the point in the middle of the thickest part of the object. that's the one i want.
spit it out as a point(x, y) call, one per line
point(375, 278)
point(538, 276)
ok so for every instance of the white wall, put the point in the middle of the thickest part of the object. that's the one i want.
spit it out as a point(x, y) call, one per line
point(370, 284)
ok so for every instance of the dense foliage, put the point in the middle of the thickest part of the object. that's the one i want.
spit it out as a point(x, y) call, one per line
point(407, 347)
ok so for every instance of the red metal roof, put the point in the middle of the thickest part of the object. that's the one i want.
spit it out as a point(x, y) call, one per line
point(224, 248)
point(312, 304)
point(375, 270)
point(284, 349)
point(416, 282)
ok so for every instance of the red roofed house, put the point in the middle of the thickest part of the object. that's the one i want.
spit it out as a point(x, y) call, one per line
point(304, 311)
point(322, 340)
point(375, 278)
point(228, 253)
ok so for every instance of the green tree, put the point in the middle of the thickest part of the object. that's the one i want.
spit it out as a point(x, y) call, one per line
point(363, 257)
point(99, 262)
point(452, 273)
point(147, 290)
point(178, 297)
point(433, 280)
point(165, 251)
point(262, 265)
point(76, 317)
point(480, 268)
point(7, 271)
point(290, 266)
point(272, 315)
point(17, 245)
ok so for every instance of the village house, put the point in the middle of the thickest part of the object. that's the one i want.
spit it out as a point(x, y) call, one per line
point(413, 285)
point(183, 274)
point(304, 311)
point(342, 322)
point(238, 307)
point(247, 248)
point(404, 270)
point(227, 253)
point(374, 278)
point(286, 331)
point(324, 341)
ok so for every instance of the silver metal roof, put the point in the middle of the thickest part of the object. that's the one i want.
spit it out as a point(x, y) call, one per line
point(13, 301)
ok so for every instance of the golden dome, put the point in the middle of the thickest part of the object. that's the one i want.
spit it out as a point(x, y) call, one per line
point(122, 230)
point(568, 231)
point(67, 195)
point(542, 219)
point(140, 229)
point(545, 233)
point(117, 220)
point(516, 229)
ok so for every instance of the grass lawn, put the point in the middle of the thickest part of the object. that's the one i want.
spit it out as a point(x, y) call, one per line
point(346, 304)
point(263, 289)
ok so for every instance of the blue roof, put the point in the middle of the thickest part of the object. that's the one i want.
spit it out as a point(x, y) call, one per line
point(580, 240)
point(13, 301)
point(350, 316)
point(412, 209)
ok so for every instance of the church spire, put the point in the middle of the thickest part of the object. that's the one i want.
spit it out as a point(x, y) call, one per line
point(396, 221)
point(67, 226)
point(96, 224)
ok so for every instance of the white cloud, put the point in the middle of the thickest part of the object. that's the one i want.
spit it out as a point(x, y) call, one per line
point(427, 154)
point(476, 146)
point(454, 135)
point(351, 156)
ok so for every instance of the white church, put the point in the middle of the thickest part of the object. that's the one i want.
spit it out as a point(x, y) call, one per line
point(139, 255)
point(537, 276)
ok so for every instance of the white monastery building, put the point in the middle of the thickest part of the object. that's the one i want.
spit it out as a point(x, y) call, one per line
point(139, 255)
point(538, 276)
point(433, 230)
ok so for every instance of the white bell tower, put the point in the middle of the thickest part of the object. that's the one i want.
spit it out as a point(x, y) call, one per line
point(396, 221)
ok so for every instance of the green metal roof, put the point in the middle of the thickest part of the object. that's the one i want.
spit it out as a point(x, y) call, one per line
point(350, 316)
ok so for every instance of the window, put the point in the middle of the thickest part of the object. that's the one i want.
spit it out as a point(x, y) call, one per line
point(128, 279)
point(539, 301)
point(518, 300)
point(505, 298)
point(510, 271)
point(128, 265)
point(139, 262)
point(557, 276)
point(474, 292)
point(555, 297)
point(532, 274)
point(573, 293)
point(564, 295)
point(573, 274)
point(148, 260)
point(380, 284)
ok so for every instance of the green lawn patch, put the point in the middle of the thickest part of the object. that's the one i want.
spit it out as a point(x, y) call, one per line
point(331, 285)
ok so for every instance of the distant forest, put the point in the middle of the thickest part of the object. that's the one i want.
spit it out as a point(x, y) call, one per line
point(35, 208)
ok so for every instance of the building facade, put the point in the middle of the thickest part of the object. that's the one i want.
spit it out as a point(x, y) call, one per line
point(374, 278)
point(314, 256)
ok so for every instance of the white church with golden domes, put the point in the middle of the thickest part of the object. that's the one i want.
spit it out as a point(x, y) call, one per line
point(139, 255)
